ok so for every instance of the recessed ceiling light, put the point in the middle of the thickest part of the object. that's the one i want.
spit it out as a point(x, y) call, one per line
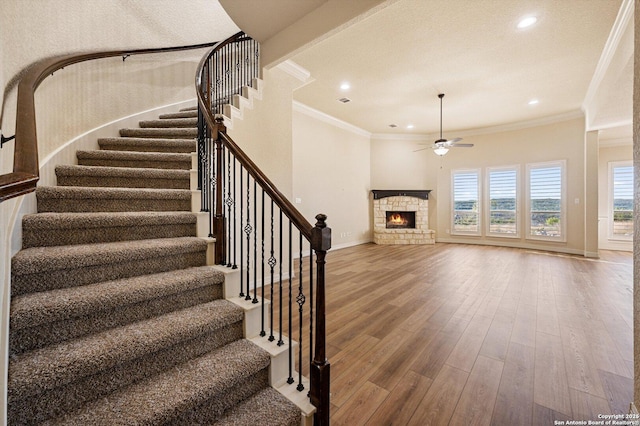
point(410, 126)
point(345, 86)
point(527, 22)
point(533, 102)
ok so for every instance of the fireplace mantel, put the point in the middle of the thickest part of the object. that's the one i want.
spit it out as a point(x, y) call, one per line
point(418, 193)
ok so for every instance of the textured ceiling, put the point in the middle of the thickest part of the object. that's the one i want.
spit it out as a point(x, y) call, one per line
point(399, 59)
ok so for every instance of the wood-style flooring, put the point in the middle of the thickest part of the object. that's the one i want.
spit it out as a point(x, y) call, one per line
point(476, 335)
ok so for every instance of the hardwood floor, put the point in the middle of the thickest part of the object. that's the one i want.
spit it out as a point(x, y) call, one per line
point(476, 335)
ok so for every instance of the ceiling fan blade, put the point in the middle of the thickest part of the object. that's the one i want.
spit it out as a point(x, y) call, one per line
point(454, 140)
point(462, 145)
point(422, 149)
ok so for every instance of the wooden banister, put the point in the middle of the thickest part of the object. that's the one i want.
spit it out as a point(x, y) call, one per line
point(26, 166)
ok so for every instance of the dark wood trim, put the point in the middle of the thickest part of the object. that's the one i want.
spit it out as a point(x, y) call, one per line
point(418, 193)
point(26, 166)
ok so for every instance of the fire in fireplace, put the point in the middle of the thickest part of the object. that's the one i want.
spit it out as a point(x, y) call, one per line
point(401, 220)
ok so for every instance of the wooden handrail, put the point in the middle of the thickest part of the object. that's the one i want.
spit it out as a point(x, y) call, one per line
point(25, 173)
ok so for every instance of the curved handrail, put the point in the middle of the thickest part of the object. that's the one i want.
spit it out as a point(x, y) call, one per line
point(287, 207)
point(25, 173)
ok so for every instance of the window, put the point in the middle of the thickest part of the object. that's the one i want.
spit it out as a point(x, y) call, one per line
point(466, 211)
point(621, 200)
point(546, 201)
point(502, 202)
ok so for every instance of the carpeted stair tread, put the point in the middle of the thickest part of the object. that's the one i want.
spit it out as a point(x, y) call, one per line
point(156, 160)
point(267, 407)
point(168, 133)
point(160, 399)
point(191, 108)
point(98, 199)
point(169, 122)
point(33, 309)
point(182, 114)
point(122, 177)
point(148, 144)
point(47, 268)
point(46, 318)
point(57, 365)
point(58, 229)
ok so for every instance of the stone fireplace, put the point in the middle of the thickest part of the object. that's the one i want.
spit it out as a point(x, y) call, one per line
point(401, 217)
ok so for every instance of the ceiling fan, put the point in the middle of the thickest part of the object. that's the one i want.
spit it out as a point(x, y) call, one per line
point(441, 146)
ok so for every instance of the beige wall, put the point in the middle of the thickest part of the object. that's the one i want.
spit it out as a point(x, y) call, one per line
point(331, 173)
point(396, 165)
point(264, 131)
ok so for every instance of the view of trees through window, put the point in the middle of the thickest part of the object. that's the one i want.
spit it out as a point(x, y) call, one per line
point(622, 177)
point(545, 201)
point(503, 217)
point(466, 216)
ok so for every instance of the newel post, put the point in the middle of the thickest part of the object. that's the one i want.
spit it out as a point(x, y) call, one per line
point(320, 367)
point(218, 216)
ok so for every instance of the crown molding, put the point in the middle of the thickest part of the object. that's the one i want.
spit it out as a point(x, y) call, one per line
point(296, 71)
point(624, 17)
point(571, 115)
point(326, 118)
point(605, 143)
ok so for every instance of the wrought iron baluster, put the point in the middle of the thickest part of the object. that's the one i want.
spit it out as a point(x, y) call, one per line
point(255, 243)
point(280, 341)
point(229, 202)
point(262, 330)
point(247, 230)
point(311, 305)
point(290, 378)
point(300, 300)
point(272, 264)
point(241, 240)
point(235, 264)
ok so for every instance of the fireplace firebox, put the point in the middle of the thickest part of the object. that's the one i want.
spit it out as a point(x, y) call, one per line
point(401, 220)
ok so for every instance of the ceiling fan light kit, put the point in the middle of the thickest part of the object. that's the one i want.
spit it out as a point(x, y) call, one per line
point(441, 150)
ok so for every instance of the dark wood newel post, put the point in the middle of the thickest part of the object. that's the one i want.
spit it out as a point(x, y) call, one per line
point(218, 217)
point(320, 367)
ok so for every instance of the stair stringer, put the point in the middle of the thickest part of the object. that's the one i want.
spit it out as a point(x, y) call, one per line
point(239, 103)
point(279, 365)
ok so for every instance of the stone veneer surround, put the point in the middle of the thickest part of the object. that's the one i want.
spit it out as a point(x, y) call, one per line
point(401, 202)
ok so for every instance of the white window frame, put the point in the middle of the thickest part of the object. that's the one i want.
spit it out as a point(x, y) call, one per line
point(563, 200)
point(612, 166)
point(479, 202)
point(488, 210)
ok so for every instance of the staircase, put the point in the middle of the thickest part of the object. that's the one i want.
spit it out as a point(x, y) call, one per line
point(115, 316)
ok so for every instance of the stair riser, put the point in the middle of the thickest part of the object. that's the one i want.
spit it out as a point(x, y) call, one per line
point(160, 133)
point(170, 123)
point(172, 165)
point(71, 236)
point(212, 409)
point(54, 332)
point(184, 114)
point(123, 182)
point(73, 277)
point(148, 145)
point(55, 402)
point(61, 205)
